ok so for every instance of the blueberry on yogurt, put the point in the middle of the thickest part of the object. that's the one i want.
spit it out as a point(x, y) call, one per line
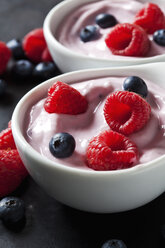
point(105, 20)
point(135, 84)
point(159, 37)
point(88, 33)
point(62, 145)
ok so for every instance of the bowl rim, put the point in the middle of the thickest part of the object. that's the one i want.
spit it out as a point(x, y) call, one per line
point(51, 37)
point(44, 161)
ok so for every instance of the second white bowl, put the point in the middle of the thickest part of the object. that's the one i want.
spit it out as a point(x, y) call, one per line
point(68, 60)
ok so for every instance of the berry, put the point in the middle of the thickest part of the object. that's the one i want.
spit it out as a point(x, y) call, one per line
point(12, 171)
point(15, 46)
point(64, 99)
point(150, 18)
point(44, 71)
point(3, 87)
point(106, 20)
point(88, 33)
point(114, 243)
point(136, 85)
point(22, 69)
point(62, 145)
point(159, 37)
point(46, 56)
point(5, 55)
point(12, 210)
point(126, 112)
point(111, 151)
point(34, 45)
point(6, 139)
point(128, 40)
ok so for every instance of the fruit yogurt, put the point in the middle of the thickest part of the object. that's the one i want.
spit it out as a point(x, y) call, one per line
point(42, 126)
point(68, 33)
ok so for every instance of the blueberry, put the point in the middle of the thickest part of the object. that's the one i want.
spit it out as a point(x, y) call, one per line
point(159, 37)
point(15, 45)
point(3, 87)
point(135, 84)
point(88, 33)
point(62, 145)
point(114, 243)
point(106, 20)
point(44, 71)
point(12, 210)
point(22, 69)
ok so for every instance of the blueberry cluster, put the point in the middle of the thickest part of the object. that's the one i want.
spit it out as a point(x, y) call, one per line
point(23, 68)
point(103, 20)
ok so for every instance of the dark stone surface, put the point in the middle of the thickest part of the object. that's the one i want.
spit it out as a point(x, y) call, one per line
point(49, 223)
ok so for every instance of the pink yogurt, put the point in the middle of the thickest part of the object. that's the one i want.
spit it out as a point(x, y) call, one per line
point(123, 10)
point(42, 126)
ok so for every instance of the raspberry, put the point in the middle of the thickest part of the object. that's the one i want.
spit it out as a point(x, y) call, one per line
point(46, 56)
point(150, 18)
point(6, 139)
point(126, 112)
point(64, 99)
point(128, 40)
point(5, 55)
point(12, 171)
point(111, 151)
point(34, 44)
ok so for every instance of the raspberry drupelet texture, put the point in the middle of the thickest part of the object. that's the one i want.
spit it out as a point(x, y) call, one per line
point(150, 18)
point(128, 40)
point(111, 151)
point(64, 99)
point(12, 170)
point(6, 139)
point(34, 45)
point(126, 112)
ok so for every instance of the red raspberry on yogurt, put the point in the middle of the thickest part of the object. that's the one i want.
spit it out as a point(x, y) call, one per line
point(85, 29)
point(145, 143)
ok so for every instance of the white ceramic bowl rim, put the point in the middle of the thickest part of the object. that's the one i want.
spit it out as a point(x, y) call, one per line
point(45, 161)
point(50, 33)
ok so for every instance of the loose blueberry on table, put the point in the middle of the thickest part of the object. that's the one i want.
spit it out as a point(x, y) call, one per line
point(44, 70)
point(22, 69)
point(12, 211)
point(114, 243)
point(15, 45)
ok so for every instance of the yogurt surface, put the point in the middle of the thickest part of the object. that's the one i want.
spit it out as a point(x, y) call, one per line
point(42, 126)
point(123, 10)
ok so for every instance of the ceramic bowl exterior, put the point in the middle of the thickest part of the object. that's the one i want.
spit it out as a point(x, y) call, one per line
point(93, 191)
point(68, 60)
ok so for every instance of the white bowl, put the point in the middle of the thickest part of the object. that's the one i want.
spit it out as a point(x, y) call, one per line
point(68, 60)
point(89, 190)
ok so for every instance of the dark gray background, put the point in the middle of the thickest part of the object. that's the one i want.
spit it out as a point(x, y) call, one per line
point(50, 224)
